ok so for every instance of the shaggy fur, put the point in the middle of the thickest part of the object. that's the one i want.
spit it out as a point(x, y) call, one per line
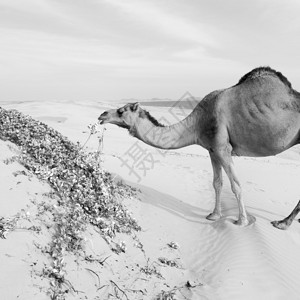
point(262, 71)
point(146, 114)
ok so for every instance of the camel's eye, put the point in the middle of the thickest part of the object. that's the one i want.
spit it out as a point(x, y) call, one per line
point(120, 112)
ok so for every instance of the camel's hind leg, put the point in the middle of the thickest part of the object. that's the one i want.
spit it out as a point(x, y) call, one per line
point(217, 184)
point(227, 164)
point(286, 222)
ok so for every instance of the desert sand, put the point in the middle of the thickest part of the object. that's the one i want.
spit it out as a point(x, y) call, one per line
point(178, 254)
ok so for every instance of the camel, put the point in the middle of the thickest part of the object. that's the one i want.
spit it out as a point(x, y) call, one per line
point(259, 116)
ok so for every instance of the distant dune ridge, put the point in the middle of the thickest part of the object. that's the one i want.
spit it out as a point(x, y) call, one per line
point(188, 102)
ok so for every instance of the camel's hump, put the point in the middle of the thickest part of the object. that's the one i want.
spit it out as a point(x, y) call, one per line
point(264, 71)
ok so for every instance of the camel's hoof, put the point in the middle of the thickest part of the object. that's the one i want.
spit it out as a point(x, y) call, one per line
point(245, 221)
point(214, 216)
point(280, 225)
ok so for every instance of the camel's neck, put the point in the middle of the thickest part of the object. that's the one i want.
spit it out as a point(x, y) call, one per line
point(176, 136)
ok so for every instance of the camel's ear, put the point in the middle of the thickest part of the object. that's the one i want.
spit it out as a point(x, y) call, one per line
point(135, 106)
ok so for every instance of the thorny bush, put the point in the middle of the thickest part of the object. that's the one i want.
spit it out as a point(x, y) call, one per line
point(86, 193)
point(73, 174)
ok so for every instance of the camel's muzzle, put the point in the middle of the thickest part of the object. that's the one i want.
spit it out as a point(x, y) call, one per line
point(103, 117)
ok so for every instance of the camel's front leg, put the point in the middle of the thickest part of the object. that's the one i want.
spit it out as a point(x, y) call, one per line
point(227, 163)
point(217, 184)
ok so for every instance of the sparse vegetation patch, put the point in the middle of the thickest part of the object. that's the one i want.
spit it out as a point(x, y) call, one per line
point(85, 193)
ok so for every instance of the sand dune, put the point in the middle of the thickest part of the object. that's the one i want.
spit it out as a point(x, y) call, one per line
point(218, 259)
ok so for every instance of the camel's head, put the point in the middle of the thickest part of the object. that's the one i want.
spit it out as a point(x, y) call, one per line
point(125, 116)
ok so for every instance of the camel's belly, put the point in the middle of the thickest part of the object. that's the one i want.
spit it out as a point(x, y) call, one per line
point(265, 138)
point(258, 152)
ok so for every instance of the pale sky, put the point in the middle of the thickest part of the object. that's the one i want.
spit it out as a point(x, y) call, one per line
point(112, 49)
